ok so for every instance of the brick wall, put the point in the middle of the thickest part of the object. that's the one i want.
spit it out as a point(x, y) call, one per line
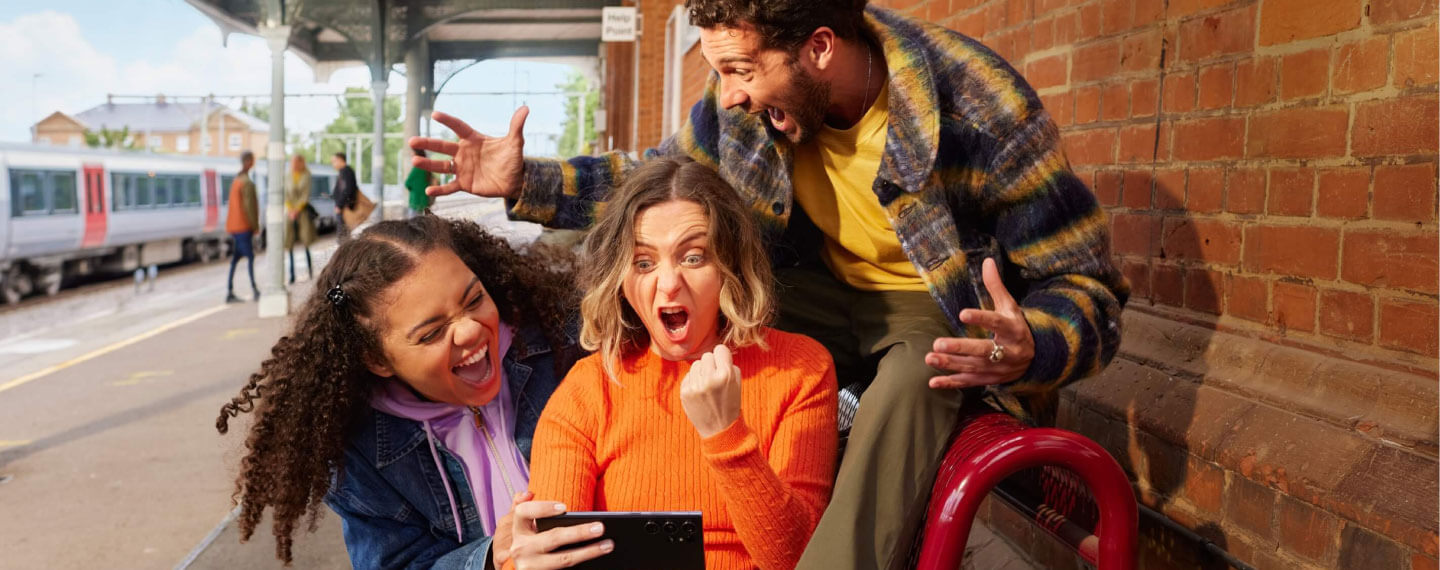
point(1269, 167)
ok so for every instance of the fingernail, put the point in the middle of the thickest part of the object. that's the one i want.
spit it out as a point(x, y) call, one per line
point(607, 546)
point(597, 528)
point(559, 507)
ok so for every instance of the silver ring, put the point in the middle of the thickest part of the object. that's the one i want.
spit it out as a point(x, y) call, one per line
point(997, 352)
point(453, 170)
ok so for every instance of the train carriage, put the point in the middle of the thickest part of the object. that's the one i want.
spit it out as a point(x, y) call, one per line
point(67, 212)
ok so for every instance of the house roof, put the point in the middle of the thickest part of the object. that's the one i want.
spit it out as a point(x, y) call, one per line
point(166, 117)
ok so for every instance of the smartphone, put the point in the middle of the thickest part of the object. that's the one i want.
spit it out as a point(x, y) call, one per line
point(659, 540)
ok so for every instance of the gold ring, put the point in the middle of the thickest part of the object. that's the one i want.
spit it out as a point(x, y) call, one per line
point(997, 352)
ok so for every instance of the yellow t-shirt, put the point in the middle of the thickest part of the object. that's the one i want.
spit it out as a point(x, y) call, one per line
point(834, 174)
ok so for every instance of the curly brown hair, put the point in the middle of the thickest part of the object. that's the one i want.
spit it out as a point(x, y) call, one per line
point(316, 385)
point(782, 24)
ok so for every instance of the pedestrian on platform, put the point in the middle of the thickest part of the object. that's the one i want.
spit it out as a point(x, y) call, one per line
point(301, 228)
point(345, 195)
point(415, 184)
point(406, 394)
point(241, 222)
point(691, 402)
point(916, 198)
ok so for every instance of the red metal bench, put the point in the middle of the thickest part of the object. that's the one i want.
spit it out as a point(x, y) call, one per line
point(1066, 483)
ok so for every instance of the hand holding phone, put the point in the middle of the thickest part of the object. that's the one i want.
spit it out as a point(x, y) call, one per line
point(657, 540)
point(534, 549)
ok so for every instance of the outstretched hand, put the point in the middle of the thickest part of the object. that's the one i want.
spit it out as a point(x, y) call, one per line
point(483, 165)
point(983, 362)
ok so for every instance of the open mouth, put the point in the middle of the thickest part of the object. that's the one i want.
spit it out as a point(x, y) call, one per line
point(777, 119)
point(676, 321)
point(476, 369)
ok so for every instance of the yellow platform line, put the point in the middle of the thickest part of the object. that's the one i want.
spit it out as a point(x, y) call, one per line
point(112, 348)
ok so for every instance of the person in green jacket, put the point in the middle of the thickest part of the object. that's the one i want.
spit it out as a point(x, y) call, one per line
point(416, 182)
point(302, 217)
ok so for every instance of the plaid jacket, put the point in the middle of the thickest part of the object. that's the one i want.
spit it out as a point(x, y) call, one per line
point(972, 168)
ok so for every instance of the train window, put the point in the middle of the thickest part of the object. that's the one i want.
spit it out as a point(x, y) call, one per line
point(320, 187)
point(120, 191)
point(192, 191)
point(162, 191)
point(142, 192)
point(62, 192)
point(225, 182)
point(27, 193)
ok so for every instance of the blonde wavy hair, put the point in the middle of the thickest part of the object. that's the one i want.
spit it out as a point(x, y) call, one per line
point(611, 327)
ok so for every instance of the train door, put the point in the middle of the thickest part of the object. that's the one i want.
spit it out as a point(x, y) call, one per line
point(95, 206)
point(212, 202)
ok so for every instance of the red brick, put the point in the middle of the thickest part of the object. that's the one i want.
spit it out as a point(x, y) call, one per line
point(1137, 189)
point(1147, 11)
point(1060, 107)
point(1362, 549)
point(1096, 61)
point(1285, 21)
point(1408, 326)
point(1137, 143)
point(1180, 8)
point(1292, 192)
point(1204, 484)
point(1387, 258)
point(1306, 132)
point(1245, 191)
point(1047, 72)
point(1307, 531)
point(1018, 10)
point(1416, 57)
point(1205, 192)
point(1248, 298)
point(1115, 102)
point(1301, 251)
point(1423, 562)
point(1107, 187)
point(1141, 51)
point(1138, 274)
point(1344, 193)
point(1203, 290)
point(1094, 146)
point(1087, 20)
point(1201, 240)
point(1114, 16)
point(1255, 82)
point(972, 24)
point(1294, 306)
point(1304, 74)
point(1390, 11)
point(1232, 31)
point(1347, 315)
point(1250, 506)
point(1217, 86)
point(1210, 139)
point(1087, 105)
point(1179, 92)
point(1135, 234)
point(1043, 7)
point(1144, 97)
point(1396, 126)
point(1042, 34)
point(1361, 66)
point(1405, 192)
point(1169, 189)
point(1168, 285)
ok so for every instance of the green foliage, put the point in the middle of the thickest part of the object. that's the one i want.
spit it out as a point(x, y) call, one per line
point(569, 145)
point(357, 116)
point(111, 138)
point(258, 110)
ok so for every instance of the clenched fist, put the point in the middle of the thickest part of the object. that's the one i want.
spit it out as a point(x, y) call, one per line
point(710, 393)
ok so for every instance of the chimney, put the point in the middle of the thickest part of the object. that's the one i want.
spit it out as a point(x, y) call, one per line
point(110, 99)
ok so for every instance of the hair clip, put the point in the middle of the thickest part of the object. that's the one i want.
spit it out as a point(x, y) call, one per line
point(337, 296)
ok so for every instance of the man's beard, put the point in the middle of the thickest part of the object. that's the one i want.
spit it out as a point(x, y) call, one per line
point(808, 106)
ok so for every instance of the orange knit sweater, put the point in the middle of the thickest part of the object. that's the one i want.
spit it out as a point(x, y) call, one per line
point(761, 483)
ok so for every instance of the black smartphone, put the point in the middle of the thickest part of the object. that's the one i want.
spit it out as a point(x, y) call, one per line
point(660, 540)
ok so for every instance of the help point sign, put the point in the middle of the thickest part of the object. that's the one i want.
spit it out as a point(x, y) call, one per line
point(617, 24)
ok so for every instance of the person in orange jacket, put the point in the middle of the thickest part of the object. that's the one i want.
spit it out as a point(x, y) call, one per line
point(241, 223)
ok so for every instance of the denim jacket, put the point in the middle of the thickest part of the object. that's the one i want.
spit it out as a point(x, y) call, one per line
point(391, 497)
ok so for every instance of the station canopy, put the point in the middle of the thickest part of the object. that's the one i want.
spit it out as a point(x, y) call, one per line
point(332, 34)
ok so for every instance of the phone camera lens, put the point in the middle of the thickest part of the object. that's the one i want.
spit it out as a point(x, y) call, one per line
point(688, 527)
point(669, 527)
point(652, 527)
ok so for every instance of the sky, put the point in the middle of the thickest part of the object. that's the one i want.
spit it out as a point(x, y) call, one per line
point(66, 55)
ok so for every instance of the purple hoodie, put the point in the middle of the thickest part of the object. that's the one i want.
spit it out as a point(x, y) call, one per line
point(495, 472)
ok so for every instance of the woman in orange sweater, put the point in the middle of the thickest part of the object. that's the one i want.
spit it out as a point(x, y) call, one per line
point(690, 402)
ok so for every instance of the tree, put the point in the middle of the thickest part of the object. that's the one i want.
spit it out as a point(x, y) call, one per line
point(357, 116)
point(569, 144)
point(258, 110)
point(111, 138)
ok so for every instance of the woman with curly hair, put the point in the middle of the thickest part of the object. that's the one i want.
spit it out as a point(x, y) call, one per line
point(406, 395)
point(690, 402)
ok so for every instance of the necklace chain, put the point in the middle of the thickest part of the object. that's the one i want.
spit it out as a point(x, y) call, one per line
point(865, 97)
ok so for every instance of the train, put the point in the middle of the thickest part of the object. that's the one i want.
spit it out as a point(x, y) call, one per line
point(67, 212)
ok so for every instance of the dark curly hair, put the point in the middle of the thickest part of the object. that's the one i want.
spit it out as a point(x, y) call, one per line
point(782, 24)
point(316, 384)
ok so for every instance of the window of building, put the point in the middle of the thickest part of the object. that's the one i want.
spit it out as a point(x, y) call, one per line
point(156, 142)
point(205, 143)
point(77, 140)
point(182, 143)
point(235, 141)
